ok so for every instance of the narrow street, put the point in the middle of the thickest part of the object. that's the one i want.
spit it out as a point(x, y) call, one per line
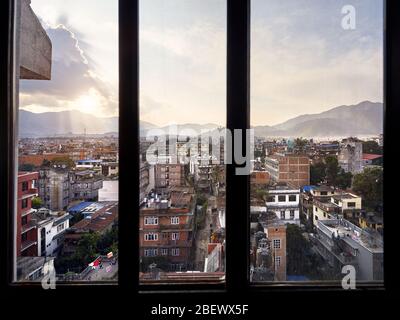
point(201, 242)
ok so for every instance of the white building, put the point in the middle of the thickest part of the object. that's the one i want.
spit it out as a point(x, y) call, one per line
point(350, 156)
point(284, 201)
point(51, 227)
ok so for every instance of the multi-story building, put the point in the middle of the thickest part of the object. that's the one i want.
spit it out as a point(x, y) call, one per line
point(146, 180)
point(51, 227)
point(260, 178)
point(284, 201)
point(54, 188)
point(109, 169)
point(350, 156)
point(345, 204)
point(167, 175)
point(26, 235)
point(293, 169)
point(342, 243)
point(85, 185)
point(166, 228)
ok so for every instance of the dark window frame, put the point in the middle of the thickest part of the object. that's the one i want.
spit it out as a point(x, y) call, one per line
point(237, 194)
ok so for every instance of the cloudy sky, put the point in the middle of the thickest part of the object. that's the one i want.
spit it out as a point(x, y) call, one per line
point(302, 60)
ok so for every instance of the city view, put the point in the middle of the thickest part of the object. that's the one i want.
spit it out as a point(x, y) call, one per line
point(316, 170)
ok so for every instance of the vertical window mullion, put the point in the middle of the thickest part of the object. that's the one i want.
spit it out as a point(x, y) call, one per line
point(129, 143)
point(238, 117)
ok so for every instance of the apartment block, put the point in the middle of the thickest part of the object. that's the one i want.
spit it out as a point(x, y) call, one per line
point(284, 201)
point(350, 157)
point(289, 168)
point(169, 175)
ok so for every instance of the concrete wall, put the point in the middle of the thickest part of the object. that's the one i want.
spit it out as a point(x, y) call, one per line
point(34, 47)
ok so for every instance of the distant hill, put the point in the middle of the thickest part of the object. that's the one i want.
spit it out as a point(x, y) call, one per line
point(365, 118)
point(361, 119)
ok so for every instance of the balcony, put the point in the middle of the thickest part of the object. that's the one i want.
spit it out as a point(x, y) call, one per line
point(27, 227)
point(27, 244)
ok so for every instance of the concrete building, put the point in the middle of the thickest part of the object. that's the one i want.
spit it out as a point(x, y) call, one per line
point(350, 155)
point(26, 235)
point(51, 227)
point(284, 201)
point(289, 168)
point(110, 169)
point(341, 243)
point(54, 188)
point(260, 178)
point(166, 228)
point(85, 185)
point(167, 175)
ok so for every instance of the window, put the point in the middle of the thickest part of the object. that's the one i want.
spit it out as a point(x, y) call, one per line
point(164, 251)
point(175, 220)
point(67, 109)
point(25, 186)
point(277, 243)
point(150, 252)
point(150, 220)
point(175, 252)
point(310, 73)
point(271, 199)
point(175, 235)
point(24, 203)
point(151, 237)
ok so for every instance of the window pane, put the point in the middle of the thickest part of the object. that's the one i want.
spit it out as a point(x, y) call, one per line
point(67, 205)
point(182, 173)
point(317, 112)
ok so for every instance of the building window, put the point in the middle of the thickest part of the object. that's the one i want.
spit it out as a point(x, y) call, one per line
point(351, 204)
point(283, 215)
point(282, 198)
point(24, 220)
point(24, 203)
point(175, 252)
point(60, 227)
point(175, 236)
point(292, 198)
point(277, 261)
point(151, 220)
point(277, 243)
point(164, 251)
point(292, 214)
point(25, 186)
point(271, 199)
point(150, 252)
point(151, 236)
point(174, 220)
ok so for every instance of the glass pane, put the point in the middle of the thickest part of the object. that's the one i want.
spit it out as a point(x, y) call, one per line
point(182, 112)
point(67, 206)
point(317, 112)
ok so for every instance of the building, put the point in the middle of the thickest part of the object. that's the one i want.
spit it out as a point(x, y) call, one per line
point(98, 217)
point(289, 168)
point(109, 169)
point(284, 201)
point(166, 228)
point(372, 159)
point(26, 235)
point(345, 204)
point(276, 235)
point(85, 185)
point(89, 164)
point(51, 227)
point(167, 175)
point(369, 220)
point(146, 180)
point(34, 268)
point(350, 155)
point(260, 178)
point(54, 188)
point(342, 243)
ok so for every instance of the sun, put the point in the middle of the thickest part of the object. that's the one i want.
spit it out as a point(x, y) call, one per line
point(89, 103)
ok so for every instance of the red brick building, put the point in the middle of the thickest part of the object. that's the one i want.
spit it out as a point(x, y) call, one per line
point(26, 236)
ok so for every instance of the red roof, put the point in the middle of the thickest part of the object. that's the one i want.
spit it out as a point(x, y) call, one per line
point(370, 156)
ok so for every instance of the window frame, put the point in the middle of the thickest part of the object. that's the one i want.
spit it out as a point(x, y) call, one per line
point(237, 193)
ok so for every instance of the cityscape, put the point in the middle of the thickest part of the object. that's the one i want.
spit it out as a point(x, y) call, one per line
point(316, 174)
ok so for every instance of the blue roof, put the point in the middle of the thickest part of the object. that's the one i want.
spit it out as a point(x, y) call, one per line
point(89, 160)
point(79, 207)
point(296, 278)
point(308, 188)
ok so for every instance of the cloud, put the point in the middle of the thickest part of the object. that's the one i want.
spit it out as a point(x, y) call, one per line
point(73, 79)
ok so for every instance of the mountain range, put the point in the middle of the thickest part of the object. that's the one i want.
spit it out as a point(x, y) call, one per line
point(364, 118)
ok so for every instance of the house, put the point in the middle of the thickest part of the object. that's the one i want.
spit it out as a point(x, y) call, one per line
point(284, 201)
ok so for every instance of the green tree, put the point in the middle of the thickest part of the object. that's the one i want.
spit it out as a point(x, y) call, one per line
point(63, 161)
point(344, 179)
point(369, 184)
point(300, 144)
point(332, 170)
point(317, 173)
point(298, 251)
point(37, 203)
point(371, 147)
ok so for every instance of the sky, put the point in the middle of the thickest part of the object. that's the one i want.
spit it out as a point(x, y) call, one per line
point(302, 60)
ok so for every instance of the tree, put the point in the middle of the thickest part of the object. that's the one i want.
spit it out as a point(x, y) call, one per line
point(369, 184)
point(344, 179)
point(300, 144)
point(298, 250)
point(317, 173)
point(332, 170)
point(37, 203)
point(371, 146)
point(62, 161)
